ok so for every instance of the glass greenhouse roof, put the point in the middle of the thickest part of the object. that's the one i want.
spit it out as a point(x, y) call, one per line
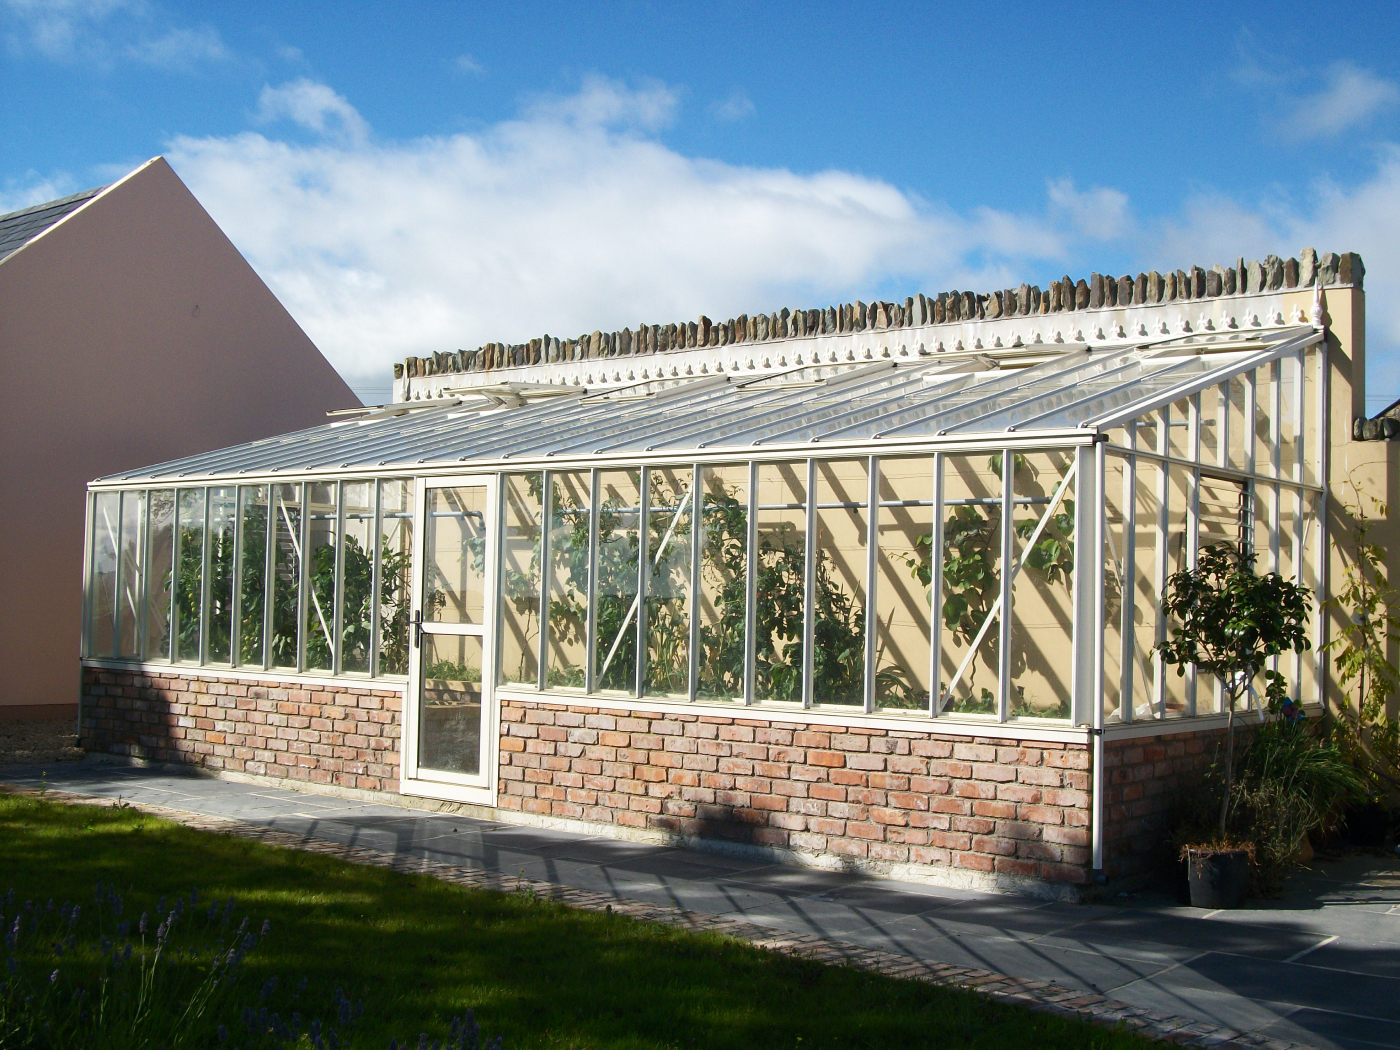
point(1071, 391)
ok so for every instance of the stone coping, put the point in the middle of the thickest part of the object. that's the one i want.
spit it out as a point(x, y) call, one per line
point(1037, 995)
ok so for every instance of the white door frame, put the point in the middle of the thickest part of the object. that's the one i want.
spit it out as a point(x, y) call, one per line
point(453, 787)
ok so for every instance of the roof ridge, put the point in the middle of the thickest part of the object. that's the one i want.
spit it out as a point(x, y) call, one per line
point(1066, 294)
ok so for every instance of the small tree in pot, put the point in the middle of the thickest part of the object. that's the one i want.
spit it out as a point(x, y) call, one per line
point(1229, 622)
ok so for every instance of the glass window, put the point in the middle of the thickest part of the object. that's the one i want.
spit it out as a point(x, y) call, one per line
point(523, 500)
point(252, 585)
point(838, 633)
point(569, 503)
point(455, 583)
point(971, 584)
point(286, 575)
point(449, 718)
point(619, 537)
point(1179, 444)
point(129, 580)
point(1213, 417)
point(724, 528)
point(318, 626)
point(190, 558)
point(779, 586)
point(1291, 418)
point(395, 566)
point(1312, 434)
point(903, 588)
point(102, 593)
point(356, 575)
point(223, 523)
point(1148, 627)
point(1118, 538)
point(1180, 554)
point(1239, 424)
point(160, 575)
point(667, 606)
point(1042, 593)
point(1267, 404)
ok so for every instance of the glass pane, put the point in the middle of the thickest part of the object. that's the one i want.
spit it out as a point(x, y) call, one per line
point(971, 583)
point(1148, 432)
point(319, 626)
point(356, 576)
point(1308, 686)
point(780, 568)
point(129, 575)
point(724, 528)
point(1178, 547)
point(1116, 494)
point(904, 575)
point(160, 562)
point(286, 575)
point(667, 668)
point(1179, 431)
point(619, 522)
point(455, 584)
point(569, 503)
point(1312, 436)
point(190, 532)
point(1240, 438)
point(1266, 395)
point(1211, 425)
point(1150, 544)
point(1223, 512)
point(252, 585)
point(223, 520)
point(520, 578)
point(449, 717)
point(838, 654)
point(395, 564)
point(106, 539)
point(1290, 417)
point(1042, 595)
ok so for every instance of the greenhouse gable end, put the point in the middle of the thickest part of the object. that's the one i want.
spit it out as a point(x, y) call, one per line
point(872, 586)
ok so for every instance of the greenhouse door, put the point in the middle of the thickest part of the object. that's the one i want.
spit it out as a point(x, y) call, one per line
point(449, 740)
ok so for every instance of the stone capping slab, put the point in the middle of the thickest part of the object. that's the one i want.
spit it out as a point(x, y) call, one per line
point(1037, 995)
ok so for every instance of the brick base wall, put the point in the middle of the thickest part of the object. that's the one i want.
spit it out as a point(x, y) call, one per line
point(979, 811)
point(996, 811)
point(1142, 781)
point(318, 733)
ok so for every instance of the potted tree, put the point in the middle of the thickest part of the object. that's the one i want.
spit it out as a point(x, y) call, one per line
point(1228, 622)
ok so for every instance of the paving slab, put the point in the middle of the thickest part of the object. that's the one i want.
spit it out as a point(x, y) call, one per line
point(1319, 965)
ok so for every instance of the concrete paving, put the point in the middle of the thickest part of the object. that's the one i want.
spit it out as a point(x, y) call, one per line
point(1320, 965)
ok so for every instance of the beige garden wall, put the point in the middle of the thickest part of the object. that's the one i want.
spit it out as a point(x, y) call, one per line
point(131, 333)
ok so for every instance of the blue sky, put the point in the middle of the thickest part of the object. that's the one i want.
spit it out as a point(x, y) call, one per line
point(412, 177)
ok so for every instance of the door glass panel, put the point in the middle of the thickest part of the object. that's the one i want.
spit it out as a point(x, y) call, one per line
point(449, 714)
point(454, 586)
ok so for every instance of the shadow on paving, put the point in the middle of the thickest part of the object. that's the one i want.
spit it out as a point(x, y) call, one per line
point(1320, 965)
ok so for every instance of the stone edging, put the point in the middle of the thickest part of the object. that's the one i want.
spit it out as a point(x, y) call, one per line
point(1038, 995)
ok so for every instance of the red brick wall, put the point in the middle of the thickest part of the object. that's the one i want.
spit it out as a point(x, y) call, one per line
point(320, 733)
point(1142, 779)
point(982, 805)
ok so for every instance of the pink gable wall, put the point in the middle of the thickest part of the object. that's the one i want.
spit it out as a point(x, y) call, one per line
point(132, 333)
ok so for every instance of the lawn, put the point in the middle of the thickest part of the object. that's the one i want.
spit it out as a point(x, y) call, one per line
point(417, 951)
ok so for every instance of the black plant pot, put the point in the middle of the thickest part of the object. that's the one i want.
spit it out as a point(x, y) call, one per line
point(1217, 878)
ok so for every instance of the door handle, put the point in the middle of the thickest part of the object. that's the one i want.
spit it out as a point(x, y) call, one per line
point(417, 628)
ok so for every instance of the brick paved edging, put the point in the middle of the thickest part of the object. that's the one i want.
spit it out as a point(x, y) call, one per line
point(1038, 995)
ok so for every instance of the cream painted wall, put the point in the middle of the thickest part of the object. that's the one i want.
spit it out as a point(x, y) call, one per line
point(131, 333)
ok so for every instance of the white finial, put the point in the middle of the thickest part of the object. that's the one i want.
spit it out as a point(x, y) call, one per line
point(1317, 302)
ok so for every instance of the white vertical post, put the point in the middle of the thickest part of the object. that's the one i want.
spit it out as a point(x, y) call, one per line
point(1097, 657)
point(750, 590)
point(1127, 639)
point(697, 517)
point(590, 646)
point(935, 689)
point(643, 577)
point(546, 498)
point(809, 587)
point(1162, 562)
point(1193, 517)
point(872, 569)
point(1008, 514)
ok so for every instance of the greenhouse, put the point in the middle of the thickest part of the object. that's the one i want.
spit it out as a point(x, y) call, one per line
point(912, 556)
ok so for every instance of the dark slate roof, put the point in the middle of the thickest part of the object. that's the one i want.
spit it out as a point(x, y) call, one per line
point(18, 228)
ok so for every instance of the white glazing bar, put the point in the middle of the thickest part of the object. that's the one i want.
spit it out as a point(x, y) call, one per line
point(269, 577)
point(204, 587)
point(1081, 637)
point(935, 620)
point(338, 590)
point(809, 586)
point(591, 643)
point(376, 586)
point(1275, 415)
point(1097, 605)
point(1300, 577)
point(697, 517)
point(303, 492)
point(1248, 437)
point(1222, 425)
point(751, 589)
point(1127, 640)
point(1324, 435)
point(1008, 507)
point(643, 578)
point(872, 547)
point(1162, 563)
point(235, 627)
point(90, 548)
point(546, 499)
point(143, 588)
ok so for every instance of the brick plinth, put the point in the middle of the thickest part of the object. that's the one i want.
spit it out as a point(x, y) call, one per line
point(319, 733)
point(992, 809)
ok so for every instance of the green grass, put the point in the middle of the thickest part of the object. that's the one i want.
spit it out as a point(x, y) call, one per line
point(539, 974)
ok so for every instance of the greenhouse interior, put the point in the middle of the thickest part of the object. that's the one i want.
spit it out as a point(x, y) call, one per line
point(946, 543)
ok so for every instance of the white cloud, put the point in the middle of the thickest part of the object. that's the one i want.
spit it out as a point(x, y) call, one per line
point(313, 106)
point(736, 107)
point(467, 64)
point(103, 32)
point(1099, 213)
point(566, 219)
point(1352, 96)
point(33, 189)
